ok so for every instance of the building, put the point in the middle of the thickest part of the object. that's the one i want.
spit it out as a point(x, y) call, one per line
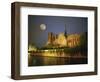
point(63, 39)
point(73, 40)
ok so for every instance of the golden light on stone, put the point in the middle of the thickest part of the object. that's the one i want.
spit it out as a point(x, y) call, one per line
point(61, 40)
point(72, 40)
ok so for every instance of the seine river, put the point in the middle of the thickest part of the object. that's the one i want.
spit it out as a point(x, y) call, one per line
point(45, 61)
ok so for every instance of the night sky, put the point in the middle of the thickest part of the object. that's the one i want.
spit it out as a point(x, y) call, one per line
point(55, 24)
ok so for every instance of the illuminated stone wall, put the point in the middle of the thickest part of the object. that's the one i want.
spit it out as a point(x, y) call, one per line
point(61, 40)
point(73, 40)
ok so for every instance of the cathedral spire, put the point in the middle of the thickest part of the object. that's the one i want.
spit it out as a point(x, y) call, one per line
point(65, 31)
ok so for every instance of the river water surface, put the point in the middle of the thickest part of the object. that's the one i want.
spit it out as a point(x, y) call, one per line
point(44, 61)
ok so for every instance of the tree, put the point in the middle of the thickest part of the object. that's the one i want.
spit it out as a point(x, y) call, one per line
point(83, 39)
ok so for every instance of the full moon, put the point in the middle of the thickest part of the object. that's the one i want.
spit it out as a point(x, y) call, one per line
point(42, 26)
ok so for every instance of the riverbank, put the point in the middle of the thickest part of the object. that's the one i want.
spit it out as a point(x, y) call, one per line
point(57, 54)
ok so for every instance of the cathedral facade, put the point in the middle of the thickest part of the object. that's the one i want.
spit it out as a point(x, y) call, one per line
point(63, 39)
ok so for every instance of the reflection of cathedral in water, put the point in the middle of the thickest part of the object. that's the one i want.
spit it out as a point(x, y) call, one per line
point(63, 39)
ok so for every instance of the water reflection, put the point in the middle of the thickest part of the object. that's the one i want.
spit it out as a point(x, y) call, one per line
point(44, 61)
